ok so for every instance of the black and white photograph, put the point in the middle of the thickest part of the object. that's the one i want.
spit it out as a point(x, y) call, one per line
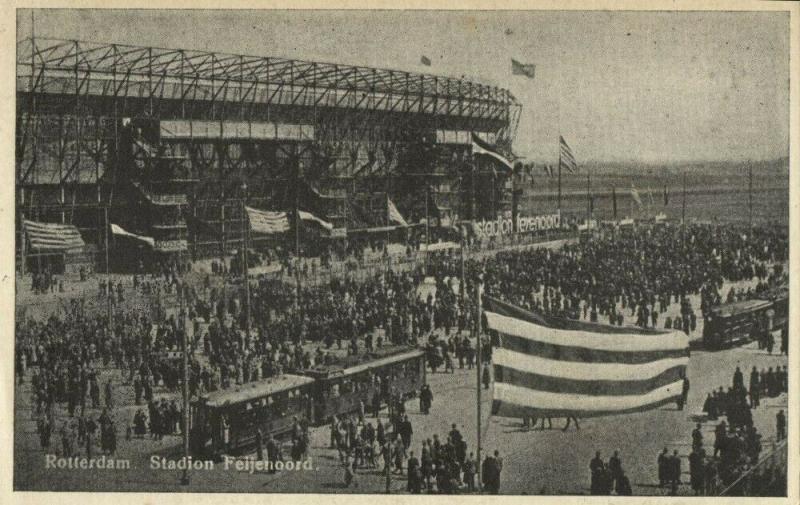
point(407, 252)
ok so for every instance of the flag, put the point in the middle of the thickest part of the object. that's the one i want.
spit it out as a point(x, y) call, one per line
point(307, 216)
point(269, 222)
point(614, 200)
point(566, 159)
point(526, 69)
point(52, 236)
point(635, 195)
point(118, 230)
point(425, 61)
point(394, 214)
point(479, 146)
point(666, 196)
point(551, 367)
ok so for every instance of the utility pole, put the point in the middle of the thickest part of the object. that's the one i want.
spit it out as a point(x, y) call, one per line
point(479, 368)
point(108, 271)
point(245, 247)
point(222, 249)
point(185, 342)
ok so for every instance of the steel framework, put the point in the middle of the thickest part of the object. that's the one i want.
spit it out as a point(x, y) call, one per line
point(78, 103)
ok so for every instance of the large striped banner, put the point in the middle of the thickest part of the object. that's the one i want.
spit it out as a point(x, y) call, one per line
point(53, 236)
point(547, 366)
point(269, 222)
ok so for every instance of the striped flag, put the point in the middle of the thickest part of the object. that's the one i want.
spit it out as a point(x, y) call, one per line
point(547, 366)
point(567, 160)
point(526, 69)
point(635, 195)
point(479, 146)
point(52, 236)
point(269, 222)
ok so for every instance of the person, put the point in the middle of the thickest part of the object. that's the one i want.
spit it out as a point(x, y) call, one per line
point(490, 474)
point(738, 379)
point(406, 430)
point(273, 453)
point(349, 472)
point(675, 472)
point(414, 481)
point(697, 470)
point(624, 485)
point(755, 389)
point(663, 472)
point(684, 393)
point(780, 421)
point(470, 467)
point(426, 399)
point(259, 445)
point(596, 466)
point(486, 376)
point(697, 437)
point(615, 469)
point(720, 436)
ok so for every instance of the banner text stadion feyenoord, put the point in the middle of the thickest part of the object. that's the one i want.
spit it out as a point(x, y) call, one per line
point(505, 226)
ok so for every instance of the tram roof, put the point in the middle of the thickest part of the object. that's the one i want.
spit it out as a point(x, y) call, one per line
point(366, 365)
point(730, 309)
point(253, 390)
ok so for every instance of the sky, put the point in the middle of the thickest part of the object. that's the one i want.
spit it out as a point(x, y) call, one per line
point(653, 87)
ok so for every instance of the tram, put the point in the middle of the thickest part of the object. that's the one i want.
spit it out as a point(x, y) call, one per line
point(226, 421)
point(341, 388)
point(735, 323)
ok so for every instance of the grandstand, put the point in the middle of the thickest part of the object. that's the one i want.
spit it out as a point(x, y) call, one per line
point(169, 144)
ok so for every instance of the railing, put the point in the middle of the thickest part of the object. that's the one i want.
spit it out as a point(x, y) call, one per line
point(765, 478)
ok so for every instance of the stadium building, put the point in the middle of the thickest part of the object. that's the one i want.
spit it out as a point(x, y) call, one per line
point(163, 148)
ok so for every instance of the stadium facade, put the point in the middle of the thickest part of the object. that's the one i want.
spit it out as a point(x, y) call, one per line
point(168, 144)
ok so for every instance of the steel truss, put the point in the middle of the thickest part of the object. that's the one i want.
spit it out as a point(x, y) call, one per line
point(367, 122)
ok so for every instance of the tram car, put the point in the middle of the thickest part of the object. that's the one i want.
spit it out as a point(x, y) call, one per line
point(339, 388)
point(741, 322)
point(226, 421)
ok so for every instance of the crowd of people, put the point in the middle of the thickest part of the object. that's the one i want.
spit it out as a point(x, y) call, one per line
point(292, 327)
point(737, 444)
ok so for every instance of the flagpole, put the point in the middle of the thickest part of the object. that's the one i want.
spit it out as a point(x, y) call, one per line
point(588, 197)
point(559, 179)
point(683, 213)
point(750, 192)
point(479, 368)
point(427, 228)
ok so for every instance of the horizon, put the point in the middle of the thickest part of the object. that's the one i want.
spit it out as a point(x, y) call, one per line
point(651, 88)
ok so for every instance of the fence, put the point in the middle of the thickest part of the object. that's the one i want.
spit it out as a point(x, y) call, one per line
point(765, 478)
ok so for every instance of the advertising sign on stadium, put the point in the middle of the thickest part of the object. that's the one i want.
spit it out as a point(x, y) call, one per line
point(524, 224)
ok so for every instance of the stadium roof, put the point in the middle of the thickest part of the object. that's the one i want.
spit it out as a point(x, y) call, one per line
point(87, 60)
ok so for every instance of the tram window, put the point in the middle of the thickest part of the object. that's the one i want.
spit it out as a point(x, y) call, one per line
point(335, 391)
point(249, 406)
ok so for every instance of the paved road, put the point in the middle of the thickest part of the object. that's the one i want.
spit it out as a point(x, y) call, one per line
point(549, 461)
